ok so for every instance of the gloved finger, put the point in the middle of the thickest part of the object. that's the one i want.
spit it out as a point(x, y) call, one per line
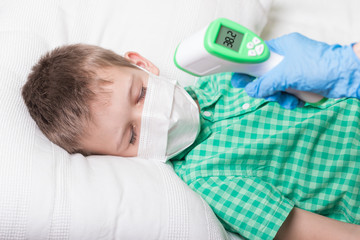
point(266, 85)
point(277, 44)
point(274, 46)
point(239, 80)
point(286, 100)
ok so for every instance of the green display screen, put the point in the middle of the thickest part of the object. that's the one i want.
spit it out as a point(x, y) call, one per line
point(229, 38)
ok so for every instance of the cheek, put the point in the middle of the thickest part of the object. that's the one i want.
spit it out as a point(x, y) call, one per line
point(134, 151)
point(131, 152)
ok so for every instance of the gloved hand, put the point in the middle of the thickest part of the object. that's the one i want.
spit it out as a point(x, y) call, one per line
point(285, 99)
point(332, 71)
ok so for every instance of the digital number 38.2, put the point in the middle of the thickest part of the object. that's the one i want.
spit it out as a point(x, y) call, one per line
point(229, 40)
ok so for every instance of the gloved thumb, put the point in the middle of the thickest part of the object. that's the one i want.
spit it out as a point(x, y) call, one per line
point(239, 80)
point(267, 85)
point(286, 100)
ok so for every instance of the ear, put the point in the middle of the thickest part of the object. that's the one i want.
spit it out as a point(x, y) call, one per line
point(142, 62)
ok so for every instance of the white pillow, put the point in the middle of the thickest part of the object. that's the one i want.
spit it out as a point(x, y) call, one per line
point(46, 193)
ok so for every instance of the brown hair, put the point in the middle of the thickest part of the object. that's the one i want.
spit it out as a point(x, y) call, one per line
point(60, 88)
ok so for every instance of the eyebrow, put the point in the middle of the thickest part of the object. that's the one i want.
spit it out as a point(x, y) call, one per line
point(120, 138)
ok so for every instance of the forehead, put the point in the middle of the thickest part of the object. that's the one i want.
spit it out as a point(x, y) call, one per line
point(109, 81)
point(113, 77)
point(113, 87)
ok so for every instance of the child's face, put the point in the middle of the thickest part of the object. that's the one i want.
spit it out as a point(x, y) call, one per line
point(115, 127)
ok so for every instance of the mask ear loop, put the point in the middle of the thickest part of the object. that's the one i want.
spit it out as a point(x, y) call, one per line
point(141, 68)
point(173, 81)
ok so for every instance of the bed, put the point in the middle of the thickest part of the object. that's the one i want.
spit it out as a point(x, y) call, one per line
point(45, 193)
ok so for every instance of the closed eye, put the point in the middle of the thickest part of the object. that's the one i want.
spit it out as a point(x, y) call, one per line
point(142, 94)
point(133, 135)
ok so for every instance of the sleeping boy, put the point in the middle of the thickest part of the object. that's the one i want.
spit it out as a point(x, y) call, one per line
point(267, 172)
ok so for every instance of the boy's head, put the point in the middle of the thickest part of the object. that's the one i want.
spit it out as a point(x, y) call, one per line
point(70, 92)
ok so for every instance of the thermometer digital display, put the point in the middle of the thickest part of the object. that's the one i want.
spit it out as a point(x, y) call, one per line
point(229, 38)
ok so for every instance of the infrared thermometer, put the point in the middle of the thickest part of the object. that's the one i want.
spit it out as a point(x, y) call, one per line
point(226, 46)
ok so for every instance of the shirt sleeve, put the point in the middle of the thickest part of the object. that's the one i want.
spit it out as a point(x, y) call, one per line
point(248, 206)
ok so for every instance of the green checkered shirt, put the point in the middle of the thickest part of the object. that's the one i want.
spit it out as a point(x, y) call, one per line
point(253, 161)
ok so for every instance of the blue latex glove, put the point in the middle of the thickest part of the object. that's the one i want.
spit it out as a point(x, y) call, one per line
point(286, 100)
point(332, 71)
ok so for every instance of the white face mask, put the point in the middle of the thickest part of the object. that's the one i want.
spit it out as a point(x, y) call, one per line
point(170, 120)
